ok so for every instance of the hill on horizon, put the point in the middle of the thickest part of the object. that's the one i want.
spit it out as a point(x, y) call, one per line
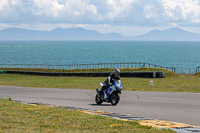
point(172, 34)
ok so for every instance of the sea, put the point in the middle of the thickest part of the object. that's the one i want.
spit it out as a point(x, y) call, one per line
point(181, 55)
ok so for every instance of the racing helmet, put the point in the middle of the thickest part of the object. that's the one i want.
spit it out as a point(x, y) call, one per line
point(117, 71)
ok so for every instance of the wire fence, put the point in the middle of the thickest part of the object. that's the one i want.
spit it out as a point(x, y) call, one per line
point(185, 70)
point(87, 66)
point(103, 65)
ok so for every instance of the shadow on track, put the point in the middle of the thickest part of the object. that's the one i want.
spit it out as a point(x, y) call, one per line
point(100, 105)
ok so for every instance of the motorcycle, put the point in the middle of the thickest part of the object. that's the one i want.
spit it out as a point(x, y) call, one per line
point(111, 94)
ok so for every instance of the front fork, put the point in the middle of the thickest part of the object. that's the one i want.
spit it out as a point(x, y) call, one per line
point(107, 92)
point(97, 90)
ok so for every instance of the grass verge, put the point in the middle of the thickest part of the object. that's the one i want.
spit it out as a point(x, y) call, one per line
point(16, 117)
point(178, 83)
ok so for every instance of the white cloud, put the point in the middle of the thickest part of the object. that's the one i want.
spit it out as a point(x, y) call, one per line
point(7, 10)
point(3, 26)
point(64, 9)
point(118, 7)
point(106, 15)
point(128, 12)
point(150, 11)
point(182, 10)
point(80, 8)
point(3, 4)
point(15, 2)
point(47, 8)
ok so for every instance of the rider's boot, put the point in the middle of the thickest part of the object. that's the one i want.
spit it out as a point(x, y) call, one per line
point(101, 92)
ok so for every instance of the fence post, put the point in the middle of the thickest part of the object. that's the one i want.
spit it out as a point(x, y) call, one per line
point(197, 70)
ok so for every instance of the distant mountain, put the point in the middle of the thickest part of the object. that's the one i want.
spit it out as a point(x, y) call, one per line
point(57, 34)
point(173, 34)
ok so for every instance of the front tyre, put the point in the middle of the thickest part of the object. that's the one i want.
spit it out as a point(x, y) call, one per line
point(98, 100)
point(114, 98)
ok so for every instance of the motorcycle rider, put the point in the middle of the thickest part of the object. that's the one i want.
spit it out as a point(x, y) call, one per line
point(109, 81)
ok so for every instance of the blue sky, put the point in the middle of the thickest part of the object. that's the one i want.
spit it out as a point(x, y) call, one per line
point(128, 17)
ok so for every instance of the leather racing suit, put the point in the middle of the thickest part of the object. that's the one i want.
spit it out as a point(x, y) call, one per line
point(109, 81)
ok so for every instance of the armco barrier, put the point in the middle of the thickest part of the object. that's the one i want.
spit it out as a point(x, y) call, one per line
point(155, 74)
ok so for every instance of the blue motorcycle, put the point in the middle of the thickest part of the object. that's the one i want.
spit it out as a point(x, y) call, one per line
point(111, 94)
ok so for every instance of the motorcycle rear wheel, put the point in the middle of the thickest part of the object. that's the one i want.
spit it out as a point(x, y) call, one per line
point(98, 100)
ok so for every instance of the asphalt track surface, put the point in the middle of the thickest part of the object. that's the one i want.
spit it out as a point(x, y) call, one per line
point(169, 106)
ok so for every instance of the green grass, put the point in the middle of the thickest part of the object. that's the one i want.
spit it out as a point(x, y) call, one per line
point(183, 83)
point(174, 83)
point(16, 117)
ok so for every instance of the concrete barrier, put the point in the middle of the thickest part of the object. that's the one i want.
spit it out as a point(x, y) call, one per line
point(155, 74)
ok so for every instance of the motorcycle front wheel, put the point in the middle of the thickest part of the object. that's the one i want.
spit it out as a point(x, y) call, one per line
point(98, 100)
point(114, 98)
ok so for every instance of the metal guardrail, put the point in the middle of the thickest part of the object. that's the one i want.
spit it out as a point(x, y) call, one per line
point(88, 66)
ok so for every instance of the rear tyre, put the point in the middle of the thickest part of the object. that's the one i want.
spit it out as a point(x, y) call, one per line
point(114, 98)
point(98, 99)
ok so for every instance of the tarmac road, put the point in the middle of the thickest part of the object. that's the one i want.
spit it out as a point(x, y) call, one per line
point(170, 106)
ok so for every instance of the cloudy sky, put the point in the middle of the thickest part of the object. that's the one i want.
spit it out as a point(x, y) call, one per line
point(128, 17)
